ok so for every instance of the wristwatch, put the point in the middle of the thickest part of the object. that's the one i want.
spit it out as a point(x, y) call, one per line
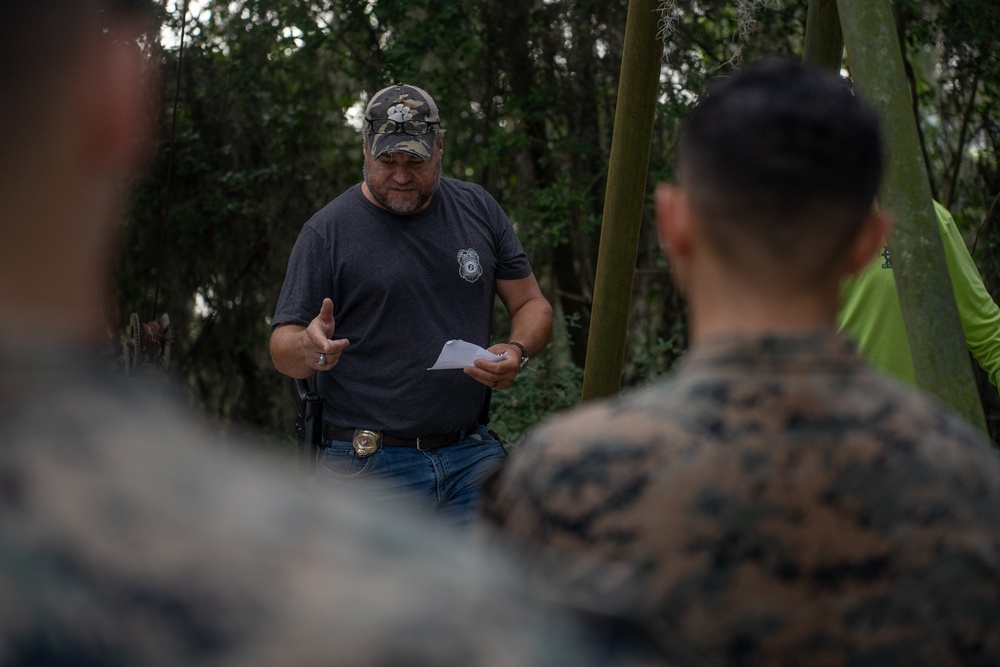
point(524, 354)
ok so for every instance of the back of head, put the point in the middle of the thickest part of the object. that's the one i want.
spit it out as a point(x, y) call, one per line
point(782, 163)
point(30, 65)
point(75, 93)
point(38, 40)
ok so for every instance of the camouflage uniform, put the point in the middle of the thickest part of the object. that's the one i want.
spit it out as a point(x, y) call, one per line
point(129, 537)
point(773, 502)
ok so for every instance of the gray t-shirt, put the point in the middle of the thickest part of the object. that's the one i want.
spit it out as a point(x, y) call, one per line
point(401, 287)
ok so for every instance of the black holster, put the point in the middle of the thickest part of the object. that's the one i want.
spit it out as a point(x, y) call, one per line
point(308, 425)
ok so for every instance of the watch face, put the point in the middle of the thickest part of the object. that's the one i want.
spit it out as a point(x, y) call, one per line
point(524, 360)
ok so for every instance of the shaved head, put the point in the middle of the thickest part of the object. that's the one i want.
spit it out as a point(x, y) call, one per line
point(782, 163)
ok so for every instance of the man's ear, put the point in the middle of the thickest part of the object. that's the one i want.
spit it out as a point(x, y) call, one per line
point(674, 226)
point(874, 231)
point(673, 221)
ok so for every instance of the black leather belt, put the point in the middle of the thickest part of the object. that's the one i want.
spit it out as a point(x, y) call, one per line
point(331, 432)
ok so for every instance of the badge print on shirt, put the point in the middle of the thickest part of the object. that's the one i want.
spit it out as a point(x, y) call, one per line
point(887, 256)
point(469, 266)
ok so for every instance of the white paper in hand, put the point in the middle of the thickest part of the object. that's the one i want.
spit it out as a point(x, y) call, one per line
point(459, 354)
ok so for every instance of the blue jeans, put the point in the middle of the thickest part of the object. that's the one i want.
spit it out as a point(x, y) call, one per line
point(447, 480)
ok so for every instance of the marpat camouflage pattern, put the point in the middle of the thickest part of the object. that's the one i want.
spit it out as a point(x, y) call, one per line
point(772, 502)
point(131, 536)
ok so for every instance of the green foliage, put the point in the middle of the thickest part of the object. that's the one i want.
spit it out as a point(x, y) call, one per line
point(650, 362)
point(540, 390)
point(527, 90)
point(555, 212)
point(956, 79)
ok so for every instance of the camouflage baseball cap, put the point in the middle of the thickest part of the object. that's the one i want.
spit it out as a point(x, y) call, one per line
point(402, 118)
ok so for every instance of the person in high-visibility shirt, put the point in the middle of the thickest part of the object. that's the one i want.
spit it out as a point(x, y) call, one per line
point(870, 311)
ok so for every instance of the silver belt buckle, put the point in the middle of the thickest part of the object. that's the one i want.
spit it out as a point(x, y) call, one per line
point(366, 442)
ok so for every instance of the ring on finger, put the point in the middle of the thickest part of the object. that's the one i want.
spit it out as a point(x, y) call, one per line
point(321, 359)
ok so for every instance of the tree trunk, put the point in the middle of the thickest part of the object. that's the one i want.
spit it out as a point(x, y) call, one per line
point(824, 43)
point(624, 200)
point(940, 358)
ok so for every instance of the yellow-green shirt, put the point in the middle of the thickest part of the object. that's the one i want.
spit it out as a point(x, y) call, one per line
point(870, 311)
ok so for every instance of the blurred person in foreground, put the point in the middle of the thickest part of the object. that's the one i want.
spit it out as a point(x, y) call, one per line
point(126, 536)
point(774, 500)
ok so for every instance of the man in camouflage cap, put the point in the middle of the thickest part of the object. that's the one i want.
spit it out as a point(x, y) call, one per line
point(774, 500)
point(408, 261)
point(127, 535)
point(414, 109)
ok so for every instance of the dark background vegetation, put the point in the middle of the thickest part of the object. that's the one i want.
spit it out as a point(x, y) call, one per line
point(253, 136)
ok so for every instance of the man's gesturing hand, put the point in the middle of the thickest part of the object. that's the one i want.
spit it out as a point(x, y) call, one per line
point(319, 350)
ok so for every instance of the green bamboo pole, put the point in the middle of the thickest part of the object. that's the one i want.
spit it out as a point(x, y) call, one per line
point(824, 44)
point(940, 358)
point(624, 200)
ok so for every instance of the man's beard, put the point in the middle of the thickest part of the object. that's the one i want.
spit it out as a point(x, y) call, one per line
point(382, 196)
